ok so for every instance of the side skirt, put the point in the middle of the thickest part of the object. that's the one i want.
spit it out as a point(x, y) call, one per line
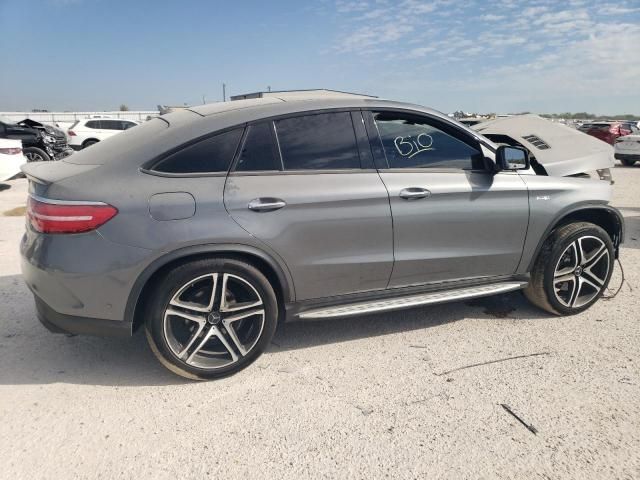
point(404, 300)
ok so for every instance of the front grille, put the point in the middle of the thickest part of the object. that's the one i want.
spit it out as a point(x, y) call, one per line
point(537, 142)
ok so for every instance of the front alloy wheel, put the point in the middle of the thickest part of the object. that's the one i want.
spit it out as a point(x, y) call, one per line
point(220, 316)
point(581, 272)
point(572, 270)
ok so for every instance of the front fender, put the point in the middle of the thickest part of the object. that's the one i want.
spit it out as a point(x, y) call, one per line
point(599, 213)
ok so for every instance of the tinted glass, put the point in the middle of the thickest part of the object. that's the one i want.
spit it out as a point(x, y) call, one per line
point(92, 124)
point(112, 124)
point(318, 142)
point(258, 152)
point(213, 154)
point(413, 143)
point(126, 125)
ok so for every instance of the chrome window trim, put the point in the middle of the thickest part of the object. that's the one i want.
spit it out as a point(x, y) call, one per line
point(53, 201)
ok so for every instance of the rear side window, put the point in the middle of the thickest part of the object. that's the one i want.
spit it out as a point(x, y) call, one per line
point(411, 142)
point(324, 141)
point(111, 125)
point(259, 150)
point(212, 155)
point(93, 124)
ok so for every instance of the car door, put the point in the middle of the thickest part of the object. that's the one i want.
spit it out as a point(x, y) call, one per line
point(452, 219)
point(305, 185)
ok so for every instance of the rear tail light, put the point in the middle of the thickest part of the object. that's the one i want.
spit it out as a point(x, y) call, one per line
point(56, 216)
point(11, 151)
point(71, 133)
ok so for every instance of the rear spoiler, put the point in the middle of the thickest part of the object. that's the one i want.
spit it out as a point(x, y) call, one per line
point(46, 173)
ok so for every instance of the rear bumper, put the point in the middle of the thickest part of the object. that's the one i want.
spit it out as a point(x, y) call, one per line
point(81, 282)
point(627, 156)
point(60, 323)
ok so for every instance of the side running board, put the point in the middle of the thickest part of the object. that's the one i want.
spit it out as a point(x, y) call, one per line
point(397, 303)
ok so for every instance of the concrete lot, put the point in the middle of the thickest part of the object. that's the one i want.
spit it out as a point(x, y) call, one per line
point(360, 398)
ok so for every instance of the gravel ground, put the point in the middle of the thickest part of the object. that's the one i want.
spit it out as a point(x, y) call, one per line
point(361, 398)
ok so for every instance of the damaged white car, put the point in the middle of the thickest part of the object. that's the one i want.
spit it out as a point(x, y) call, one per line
point(554, 149)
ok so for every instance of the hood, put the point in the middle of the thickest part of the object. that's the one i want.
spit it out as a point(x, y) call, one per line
point(561, 150)
point(27, 122)
point(634, 137)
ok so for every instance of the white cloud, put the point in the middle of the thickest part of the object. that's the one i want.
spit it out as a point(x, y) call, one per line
point(491, 17)
point(543, 50)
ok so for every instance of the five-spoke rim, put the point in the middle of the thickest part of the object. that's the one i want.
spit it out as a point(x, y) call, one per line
point(581, 272)
point(33, 157)
point(214, 320)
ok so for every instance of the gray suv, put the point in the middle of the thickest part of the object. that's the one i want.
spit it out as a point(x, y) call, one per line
point(209, 226)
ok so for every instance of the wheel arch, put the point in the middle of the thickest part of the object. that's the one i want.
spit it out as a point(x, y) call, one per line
point(276, 274)
point(87, 140)
point(605, 216)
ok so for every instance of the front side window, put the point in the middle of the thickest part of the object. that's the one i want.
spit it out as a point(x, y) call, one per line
point(211, 155)
point(412, 142)
point(259, 151)
point(324, 141)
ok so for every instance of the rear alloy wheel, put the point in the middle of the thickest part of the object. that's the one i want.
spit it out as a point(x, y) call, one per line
point(572, 270)
point(33, 154)
point(216, 318)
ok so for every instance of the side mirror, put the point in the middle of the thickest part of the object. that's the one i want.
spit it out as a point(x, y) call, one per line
point(512, 158)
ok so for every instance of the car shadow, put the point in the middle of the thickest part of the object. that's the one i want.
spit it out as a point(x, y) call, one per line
point(29, 354)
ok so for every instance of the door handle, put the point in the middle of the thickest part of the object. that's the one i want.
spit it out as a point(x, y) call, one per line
point(266, 204)
point(414, 193)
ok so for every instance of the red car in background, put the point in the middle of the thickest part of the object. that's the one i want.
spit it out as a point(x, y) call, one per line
point(607, 131)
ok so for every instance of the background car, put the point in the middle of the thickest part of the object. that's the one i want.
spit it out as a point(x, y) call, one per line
point(84, 133)
point(627, 149)
point(40, 142)
point(11, 158)
point(609, 131)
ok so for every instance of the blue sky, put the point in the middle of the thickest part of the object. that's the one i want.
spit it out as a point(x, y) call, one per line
point(483, 55)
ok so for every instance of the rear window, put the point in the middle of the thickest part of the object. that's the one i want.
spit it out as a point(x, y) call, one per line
point(211, 155)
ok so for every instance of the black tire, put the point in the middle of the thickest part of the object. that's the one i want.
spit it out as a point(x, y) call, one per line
point(35, 154)
point(627, 162)
point(547, 272)
point(88, 143)
point(163, 340)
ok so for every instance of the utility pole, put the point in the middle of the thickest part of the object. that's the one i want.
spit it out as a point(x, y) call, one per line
point(224, 92)
point(204, 99)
